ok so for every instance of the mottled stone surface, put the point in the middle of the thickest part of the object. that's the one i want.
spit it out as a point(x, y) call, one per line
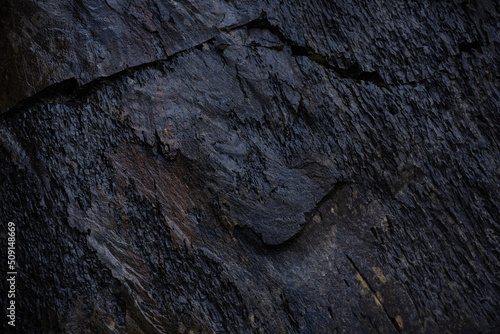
point(237, 167)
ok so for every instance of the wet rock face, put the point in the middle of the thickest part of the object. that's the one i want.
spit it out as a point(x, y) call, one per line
point(232, 167)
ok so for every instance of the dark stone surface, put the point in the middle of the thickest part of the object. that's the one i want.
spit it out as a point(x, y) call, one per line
point(232, 167)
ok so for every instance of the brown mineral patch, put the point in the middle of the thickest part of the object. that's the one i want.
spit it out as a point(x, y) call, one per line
point(380, 274)
point(399, 321)
point(361, 280)
point(163, 182)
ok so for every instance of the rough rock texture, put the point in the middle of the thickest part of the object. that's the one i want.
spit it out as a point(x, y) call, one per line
point(252, 167)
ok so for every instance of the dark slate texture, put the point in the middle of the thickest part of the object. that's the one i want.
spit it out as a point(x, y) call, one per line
point(252, 167)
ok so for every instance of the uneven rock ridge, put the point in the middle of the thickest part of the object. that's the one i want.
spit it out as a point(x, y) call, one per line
point(252, 167)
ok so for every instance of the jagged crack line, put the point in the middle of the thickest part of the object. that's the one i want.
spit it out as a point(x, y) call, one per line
point(69, 88)
point(392, 320)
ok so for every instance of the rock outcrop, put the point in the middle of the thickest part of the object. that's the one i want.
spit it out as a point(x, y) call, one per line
point(241, 167)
